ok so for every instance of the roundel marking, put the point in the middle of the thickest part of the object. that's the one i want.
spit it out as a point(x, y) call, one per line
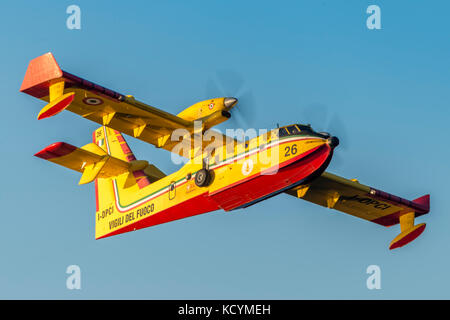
point(211, 105)
point(247, 167)
point(92, 101)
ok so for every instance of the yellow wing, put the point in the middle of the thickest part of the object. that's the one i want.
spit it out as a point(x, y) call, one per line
point(45, 80)
point(352, 197)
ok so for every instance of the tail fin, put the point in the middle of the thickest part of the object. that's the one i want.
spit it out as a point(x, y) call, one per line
point(113, 143)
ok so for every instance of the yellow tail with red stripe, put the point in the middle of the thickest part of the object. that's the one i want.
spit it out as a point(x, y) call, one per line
point(109, 162)
point(143, 173)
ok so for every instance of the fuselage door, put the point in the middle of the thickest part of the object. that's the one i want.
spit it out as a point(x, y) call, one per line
point(172, 190)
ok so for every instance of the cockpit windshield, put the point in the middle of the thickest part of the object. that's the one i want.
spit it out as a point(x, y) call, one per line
point(304, 128)
point(282, 132)
point(294, 129)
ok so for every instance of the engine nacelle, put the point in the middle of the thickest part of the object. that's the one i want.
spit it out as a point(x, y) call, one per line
point(202, 110)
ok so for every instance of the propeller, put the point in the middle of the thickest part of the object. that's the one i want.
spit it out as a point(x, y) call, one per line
point(229, 83)
point(322, 120)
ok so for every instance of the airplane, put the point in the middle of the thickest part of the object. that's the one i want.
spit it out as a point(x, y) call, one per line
point(226, 174)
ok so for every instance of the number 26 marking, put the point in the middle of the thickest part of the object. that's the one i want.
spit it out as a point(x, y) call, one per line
point(290, 150)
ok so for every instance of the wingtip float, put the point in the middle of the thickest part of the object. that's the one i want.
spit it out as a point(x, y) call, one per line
point(56, 106)
point(407, 236)
point(409, 231)
point(132, 194)
point(43, 78)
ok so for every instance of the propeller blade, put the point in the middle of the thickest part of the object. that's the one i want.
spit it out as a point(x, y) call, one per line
point(229, 83)
point(316, 115)
point(337, 161)
point(336, 127)
point(245, 112)
point(212, 90)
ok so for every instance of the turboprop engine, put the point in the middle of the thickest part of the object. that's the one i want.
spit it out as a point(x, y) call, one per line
point(211, 112)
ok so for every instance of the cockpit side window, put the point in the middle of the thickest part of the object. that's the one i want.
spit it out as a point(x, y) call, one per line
point(293, 130)
point(282, 132)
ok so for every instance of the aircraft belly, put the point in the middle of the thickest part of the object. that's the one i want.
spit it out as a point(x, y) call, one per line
point(262, 185)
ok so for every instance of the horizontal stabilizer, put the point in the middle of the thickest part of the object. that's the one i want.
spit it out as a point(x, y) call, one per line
point(91, 172)
point(91, 160)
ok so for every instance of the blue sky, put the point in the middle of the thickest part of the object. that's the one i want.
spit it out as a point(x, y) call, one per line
point(303, 61)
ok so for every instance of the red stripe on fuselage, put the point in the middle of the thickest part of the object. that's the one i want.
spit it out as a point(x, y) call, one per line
point(197, 205)
point(264, 185)
point(96, 196)
point(261, 186)
point(266, 171)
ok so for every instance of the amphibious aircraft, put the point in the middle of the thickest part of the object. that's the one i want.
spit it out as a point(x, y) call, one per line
point(224, 174)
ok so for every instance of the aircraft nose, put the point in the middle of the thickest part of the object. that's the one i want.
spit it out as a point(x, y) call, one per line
point(230, 102)
point(333, 142)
